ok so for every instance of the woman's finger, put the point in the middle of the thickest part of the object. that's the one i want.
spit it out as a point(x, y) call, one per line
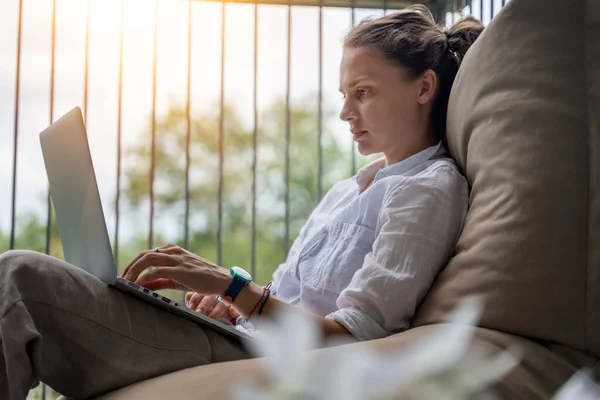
point(150, 259)
point(163, 249)
point(231, 316)
point(195, 300)
point(219, 311)
point(207, 304)
point(167, 249)
point(161, 284)
point(143, 253)
point(234, 313)
point(161, 274)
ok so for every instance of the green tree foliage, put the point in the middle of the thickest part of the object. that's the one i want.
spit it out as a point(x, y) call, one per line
point(31, 234)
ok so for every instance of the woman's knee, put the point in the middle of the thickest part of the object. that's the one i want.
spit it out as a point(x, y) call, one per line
point(21, 264)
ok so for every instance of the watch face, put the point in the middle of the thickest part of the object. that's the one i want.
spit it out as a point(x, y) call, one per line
point(241, 273)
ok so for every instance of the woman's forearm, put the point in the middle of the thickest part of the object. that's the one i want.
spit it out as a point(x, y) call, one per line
point(252, 294)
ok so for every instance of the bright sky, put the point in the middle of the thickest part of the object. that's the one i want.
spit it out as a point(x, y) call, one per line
point(137, 80)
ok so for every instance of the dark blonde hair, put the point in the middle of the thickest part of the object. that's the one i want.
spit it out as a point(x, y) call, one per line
point(413, 40)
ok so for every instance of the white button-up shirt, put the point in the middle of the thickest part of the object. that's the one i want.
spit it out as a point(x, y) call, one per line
point(367, 258)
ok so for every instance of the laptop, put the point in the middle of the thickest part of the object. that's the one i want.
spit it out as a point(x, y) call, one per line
point(80, 218)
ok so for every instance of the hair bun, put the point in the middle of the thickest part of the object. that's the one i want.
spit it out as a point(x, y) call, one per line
point(462, 35)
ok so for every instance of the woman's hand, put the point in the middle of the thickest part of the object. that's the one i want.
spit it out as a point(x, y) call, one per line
point(209, 306)
point(176, 268)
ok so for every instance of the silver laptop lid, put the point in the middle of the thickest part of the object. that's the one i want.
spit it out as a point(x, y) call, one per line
point(75, 196)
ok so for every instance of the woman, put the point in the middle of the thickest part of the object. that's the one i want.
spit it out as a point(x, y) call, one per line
point(365, 258)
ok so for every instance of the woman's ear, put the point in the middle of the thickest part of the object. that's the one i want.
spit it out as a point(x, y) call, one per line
point(428, 87)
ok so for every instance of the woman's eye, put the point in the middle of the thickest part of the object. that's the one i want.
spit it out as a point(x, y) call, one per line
point(362, 92)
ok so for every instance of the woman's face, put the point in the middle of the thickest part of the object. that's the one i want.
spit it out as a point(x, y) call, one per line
point(387, 112)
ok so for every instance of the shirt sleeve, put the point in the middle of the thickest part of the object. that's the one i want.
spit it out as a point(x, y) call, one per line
point(417, 228)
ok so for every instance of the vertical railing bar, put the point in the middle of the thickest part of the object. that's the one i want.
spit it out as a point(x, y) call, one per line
point(503, 3)
point(385, 6)
point(87, 60)
point(452, 11)
point(320, 116)
point(254, 143)
point(491, 9)
point(51, 115)
point(471, 7)
point(481, 10)
point(221, 136)
point(353, 166)
point(119, 138)
point(153, 143)
point(288, 133)
point(186, 234)
point(43, 391)
point(16, 128)
point(51, 119)
point(44, 394)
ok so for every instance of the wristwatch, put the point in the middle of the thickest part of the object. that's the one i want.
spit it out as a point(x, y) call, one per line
point(241, 278)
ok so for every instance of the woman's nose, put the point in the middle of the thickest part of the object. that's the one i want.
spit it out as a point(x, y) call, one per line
point(347, 113)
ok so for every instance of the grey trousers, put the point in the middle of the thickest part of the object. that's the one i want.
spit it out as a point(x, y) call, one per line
point(64, 327)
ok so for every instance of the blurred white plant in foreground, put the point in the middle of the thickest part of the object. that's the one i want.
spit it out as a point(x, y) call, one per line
point(579, 387)
point(441, 365)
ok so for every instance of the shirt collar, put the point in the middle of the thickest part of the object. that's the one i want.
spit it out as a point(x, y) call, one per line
point(376, 170)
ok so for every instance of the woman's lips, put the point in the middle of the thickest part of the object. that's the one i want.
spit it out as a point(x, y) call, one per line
point(358, 135)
